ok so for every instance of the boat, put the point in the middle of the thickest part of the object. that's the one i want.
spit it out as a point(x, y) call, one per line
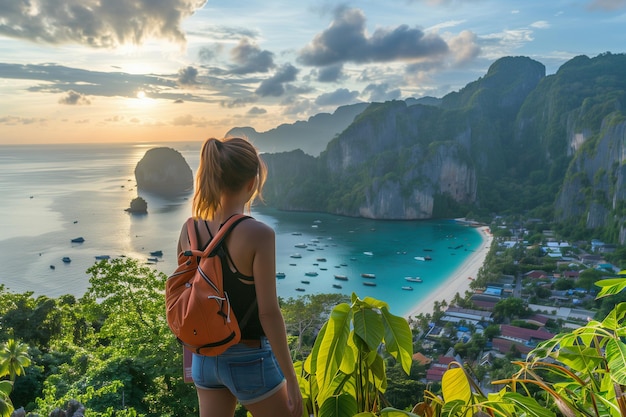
point(66, 259)
point(341, 277)
point(156, 253)
point(407, 288)
point(368, 253)
point(419, 258)
point(295, 255)
point(369, 283)
point(153, 259)
point(299, 289)
point(368, 275)
point(305, 281)
point(428, 258)
point(78, 239)
point(296, 234)
point(337, 286)
point(280, 275)
point(321, 259)
point(300, 245)
point(311, 274)
point(101, 257)
point(51, 266)
point(411, 279)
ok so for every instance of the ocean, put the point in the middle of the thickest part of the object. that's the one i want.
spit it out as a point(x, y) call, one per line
point(51, 194)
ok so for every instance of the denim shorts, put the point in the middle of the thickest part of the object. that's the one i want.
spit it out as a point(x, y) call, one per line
point(250, 373)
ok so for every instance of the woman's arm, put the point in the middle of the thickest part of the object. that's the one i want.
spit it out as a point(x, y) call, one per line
point(264, 268)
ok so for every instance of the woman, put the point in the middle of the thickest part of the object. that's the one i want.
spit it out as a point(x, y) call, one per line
point(258, 372)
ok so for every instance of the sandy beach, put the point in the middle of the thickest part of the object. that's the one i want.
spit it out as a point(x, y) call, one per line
point(459, 281)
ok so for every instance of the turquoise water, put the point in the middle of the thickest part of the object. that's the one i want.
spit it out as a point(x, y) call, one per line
point(53, 193)
point(351, 247)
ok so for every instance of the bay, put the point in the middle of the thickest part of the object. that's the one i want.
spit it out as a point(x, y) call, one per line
point(54, 193)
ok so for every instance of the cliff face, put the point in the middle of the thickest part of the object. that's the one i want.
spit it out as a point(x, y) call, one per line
point(513, 140)
point(594, 189)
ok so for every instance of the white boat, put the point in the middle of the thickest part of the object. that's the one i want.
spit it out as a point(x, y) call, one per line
point(296, 255)
point(341, 277)
point(368, 253)
point(419, 258)
point(412, 279)
point(311, 274)
point(300, 245)
point(368, 275)
point(407, 288)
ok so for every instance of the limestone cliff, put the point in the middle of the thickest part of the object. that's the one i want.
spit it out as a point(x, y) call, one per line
point(164, 171)
point(513, 141)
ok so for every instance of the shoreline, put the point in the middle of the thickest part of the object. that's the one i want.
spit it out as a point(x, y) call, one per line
point(458, 280)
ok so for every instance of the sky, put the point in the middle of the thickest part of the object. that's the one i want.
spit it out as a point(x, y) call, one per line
point(80, 71)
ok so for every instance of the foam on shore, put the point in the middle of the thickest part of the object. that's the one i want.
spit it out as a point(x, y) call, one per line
point(459, 281)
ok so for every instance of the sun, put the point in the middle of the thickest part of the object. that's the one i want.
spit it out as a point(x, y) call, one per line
point(141, 94)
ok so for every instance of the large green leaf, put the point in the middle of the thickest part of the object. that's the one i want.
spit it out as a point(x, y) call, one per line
point(392, 412)
point(527, 405)
point(613, 320)
point(333, 345)
point(586, 359)
point(610, 286)
point(379, 373)
point(368, 326)
point(455, 386)
point(398, 339)
point(616, 358)
point(374, 303)
point(310, 363)
point(342, 405)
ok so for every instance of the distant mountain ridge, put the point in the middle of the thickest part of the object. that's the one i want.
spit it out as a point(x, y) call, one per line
point(513, 141)
point(311, 136)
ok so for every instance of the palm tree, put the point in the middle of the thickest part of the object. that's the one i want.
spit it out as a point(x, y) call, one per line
point(13, 359)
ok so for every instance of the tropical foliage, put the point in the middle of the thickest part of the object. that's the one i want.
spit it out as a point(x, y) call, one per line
point(345, 374)
point(111, 352)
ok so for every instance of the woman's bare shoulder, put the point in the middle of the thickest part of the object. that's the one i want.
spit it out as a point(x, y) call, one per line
point(256, 227)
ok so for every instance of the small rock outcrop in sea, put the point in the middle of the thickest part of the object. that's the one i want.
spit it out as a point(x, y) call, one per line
point(164, 171)
point(138, 205)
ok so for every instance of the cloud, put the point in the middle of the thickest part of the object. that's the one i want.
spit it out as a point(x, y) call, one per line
point(189, 120)
point(17, 120)
point(238, 102)
point(274, 86)
point(540, 24)
point(96, 23)
point(250, 58)
point(256, 111)
point(608, 5)
point(496, 45)
point(209, 53)
point(187, 77)
point(331, 73)
point(464, 47)
point(346, 40)
point(337, 98)
point(74, 98)
point(381, 92)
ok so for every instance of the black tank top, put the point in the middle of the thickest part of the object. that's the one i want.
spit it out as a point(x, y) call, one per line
point(240, 295)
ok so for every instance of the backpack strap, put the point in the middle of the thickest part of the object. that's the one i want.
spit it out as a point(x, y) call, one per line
point(224, 230)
